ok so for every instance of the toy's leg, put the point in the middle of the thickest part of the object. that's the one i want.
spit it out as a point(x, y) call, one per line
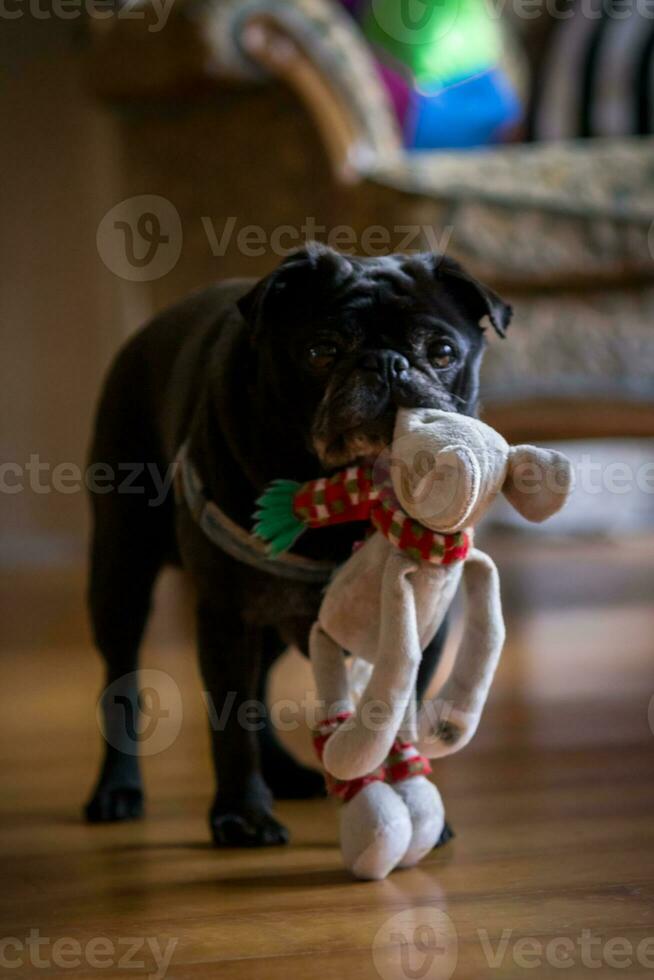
point(406, 772)
point(362, 743)
point(376, 831)
point(448, 722)
point(375, 826)
point(427, 815)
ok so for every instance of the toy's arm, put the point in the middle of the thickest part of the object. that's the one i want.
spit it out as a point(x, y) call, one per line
point(449, 721)
point(362, 743)
point(330, 675)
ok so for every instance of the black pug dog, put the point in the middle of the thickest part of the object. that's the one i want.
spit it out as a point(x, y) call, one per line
point(287, 377)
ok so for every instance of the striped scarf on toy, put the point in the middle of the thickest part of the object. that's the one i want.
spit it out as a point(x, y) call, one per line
point(287, 508)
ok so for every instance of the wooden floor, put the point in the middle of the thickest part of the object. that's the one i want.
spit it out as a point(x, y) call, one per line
point(551, 872)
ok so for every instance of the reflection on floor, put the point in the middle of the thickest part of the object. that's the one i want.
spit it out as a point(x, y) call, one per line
point(552, 866)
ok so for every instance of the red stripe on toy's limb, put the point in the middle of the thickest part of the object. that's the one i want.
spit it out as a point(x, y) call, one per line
point(347, 789)
point(404, 762)
point(342, 789)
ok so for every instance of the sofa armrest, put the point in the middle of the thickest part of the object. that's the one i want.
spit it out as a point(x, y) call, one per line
point(276, 51)
point(311, 46)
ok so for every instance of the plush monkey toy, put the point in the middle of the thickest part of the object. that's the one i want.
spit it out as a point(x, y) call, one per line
point(385, 604)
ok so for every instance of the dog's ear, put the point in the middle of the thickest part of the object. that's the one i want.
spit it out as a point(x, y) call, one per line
point(299, 284)
point(481, 300)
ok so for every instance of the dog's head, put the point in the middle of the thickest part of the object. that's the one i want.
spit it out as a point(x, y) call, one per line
point(346, 341)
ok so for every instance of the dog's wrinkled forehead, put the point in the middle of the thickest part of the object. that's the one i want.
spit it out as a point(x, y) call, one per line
point(317, 283)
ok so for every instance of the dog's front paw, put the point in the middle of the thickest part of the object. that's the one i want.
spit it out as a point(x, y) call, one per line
point(246, 827)
point(446, 835)
point(112, 803)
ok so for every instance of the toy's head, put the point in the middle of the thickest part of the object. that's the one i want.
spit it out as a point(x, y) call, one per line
point(447, 469)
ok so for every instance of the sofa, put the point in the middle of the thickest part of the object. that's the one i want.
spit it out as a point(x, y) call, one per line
point(269, 115)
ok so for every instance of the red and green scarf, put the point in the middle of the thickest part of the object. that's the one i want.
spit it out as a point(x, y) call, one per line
point(287, 508)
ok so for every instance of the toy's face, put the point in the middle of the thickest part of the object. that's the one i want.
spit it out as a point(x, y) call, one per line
point(448, 469)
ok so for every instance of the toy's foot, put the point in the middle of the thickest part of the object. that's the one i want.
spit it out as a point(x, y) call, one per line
point(375, 831)
point(446, 835)
point(249, 826)
point(425, 806)
point(286, 778)
point(112, 803)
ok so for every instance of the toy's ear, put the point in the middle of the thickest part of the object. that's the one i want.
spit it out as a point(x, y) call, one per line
point(297, 284)
point(482, 300)
point(538, 481)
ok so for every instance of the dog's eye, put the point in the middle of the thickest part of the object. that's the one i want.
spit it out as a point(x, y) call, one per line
point(442, 353)
point(321, 356)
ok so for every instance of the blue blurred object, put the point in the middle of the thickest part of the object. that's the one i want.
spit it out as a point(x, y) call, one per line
point(472, 112)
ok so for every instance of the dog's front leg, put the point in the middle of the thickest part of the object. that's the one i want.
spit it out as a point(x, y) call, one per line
point(230, 659)
point(362, 743)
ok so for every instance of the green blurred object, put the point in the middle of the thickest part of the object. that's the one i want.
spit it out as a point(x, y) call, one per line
point(452, 40)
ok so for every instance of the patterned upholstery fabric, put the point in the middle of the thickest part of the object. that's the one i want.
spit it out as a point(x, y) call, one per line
point(526, 213)
point(589, 344)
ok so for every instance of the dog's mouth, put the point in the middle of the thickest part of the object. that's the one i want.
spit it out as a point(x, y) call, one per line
point(361, 443)
point(354, 423)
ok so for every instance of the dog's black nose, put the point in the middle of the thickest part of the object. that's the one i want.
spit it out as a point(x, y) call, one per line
point(387, 363)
